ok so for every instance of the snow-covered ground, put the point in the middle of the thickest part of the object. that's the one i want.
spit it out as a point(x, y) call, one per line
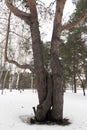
point(16, 106)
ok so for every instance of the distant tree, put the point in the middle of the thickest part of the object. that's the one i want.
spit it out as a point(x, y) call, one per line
point(72, 53)
point(75, 45)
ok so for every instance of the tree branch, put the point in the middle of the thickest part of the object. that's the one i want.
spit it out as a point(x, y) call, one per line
point(26, 66)
point(62, 5)
point(71, 25)
point(23, 15)
point(19, 35)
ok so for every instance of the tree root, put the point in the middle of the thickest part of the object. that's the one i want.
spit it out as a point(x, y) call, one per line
point(62, 122)
point(48, 119)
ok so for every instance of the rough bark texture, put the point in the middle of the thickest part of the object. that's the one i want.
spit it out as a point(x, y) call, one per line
point(44, 108)
point(37, 53)
point(40, 73)
point(57, 111)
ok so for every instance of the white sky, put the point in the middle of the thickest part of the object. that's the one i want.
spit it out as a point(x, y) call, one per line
point(69, 7)
point(68, 10)
point(47, 27)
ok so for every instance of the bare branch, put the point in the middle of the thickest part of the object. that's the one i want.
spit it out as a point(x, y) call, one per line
point(63, 3)
point(60, 7)
point(23, 15)
point(26, 66)
point(52, 3)
point(20, 35)
point(71, 25)
point(2, 41)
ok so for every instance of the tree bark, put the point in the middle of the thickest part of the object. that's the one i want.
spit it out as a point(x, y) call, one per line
point(37, 53)
point(57, 110)
point(43, 78)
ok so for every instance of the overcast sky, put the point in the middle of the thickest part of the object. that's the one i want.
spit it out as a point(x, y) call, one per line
point(69, 8)
point(47, 27)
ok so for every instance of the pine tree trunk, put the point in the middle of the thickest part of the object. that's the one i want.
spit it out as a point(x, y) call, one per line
point(49, 86)
point(40, 73)
point(74, 79)
point(38, 60)
point(57, 111)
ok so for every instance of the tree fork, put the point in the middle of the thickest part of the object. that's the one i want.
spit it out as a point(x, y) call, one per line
point(47, 97)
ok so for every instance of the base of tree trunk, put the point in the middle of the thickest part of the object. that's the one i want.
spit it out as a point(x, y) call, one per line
point(49, 120)
point(62, 122)
point(31, 121)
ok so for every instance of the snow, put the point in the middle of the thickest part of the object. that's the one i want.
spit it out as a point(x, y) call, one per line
point(16, 106)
